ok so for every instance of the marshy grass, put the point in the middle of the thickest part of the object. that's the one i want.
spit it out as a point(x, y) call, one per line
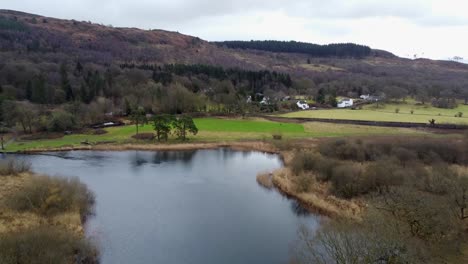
point(10, 167)
point(49, 196)
point(46, 245)
point(265, 180)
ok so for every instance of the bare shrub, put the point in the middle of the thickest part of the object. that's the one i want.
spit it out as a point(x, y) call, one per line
point(347, 180)
point(14, 166)
point(277, 136)
point(381, 175)
point(427, 216)
point(49, 196)
point(305, 161)
point(46, 245)
point(428, 150)
point(340, 241)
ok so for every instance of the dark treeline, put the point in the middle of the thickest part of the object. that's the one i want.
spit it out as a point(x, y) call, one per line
point(348, 50)
point(256, 79)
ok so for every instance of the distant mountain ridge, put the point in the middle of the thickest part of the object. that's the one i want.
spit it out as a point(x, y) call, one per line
point(27, 39)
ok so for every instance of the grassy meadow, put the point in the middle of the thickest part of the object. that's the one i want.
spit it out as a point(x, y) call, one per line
point(218, 129)
point(387, 112)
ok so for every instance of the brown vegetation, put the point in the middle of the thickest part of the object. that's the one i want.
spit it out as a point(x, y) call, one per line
point(265, 180)
point(417, 187)
point(41, 219)
point(239, 145)
point(10, 167)
point(45, 244)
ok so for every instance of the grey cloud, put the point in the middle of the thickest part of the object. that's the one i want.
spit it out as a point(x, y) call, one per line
point(145, 13)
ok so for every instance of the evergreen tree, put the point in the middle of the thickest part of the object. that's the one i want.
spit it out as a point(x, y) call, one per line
point(320, 96)
point(163, 125)
point(78, 68)
point(184, 124)
point(332, 101)
point(66, 86)
point(138, 117)
point(29, 89)
point(330, 50)
point(39, 91)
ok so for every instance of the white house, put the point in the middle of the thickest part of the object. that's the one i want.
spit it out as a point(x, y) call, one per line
point(302, 105)
point(345, 103)
point(265, 101)
point(365, 96)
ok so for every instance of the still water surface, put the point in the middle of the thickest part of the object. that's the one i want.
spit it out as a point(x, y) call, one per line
point(183, 207)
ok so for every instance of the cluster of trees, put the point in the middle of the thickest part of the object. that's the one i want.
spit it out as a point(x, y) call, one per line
point(33, 118)
point(412, 185)
point(348, 50)
point(165, 124)
point(40, 118)
point(447, 102)
point(325, 97)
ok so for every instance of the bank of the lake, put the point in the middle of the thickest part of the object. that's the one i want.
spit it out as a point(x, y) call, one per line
point(42, 218)
point(175, 206)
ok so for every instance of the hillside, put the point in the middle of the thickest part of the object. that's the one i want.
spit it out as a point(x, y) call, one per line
point(54, 62)
point(104, 44)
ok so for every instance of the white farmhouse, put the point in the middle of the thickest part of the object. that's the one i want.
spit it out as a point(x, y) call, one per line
point(345, 103)
point(302, 105)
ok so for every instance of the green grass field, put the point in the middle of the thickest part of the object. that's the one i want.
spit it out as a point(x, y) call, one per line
point(421, 114)
point(217, 129)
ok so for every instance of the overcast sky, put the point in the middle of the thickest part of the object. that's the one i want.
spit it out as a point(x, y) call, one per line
point(436, 29)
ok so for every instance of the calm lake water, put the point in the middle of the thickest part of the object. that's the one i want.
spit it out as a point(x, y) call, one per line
point(183, 207)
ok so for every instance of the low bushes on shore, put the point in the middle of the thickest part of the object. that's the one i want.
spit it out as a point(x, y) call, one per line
point(49, 196)
point(419, 185)
point(46, 245)
point(14, 167)
point(43, 200)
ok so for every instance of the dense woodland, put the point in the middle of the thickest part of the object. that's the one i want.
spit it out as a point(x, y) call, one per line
point(347, 50)
point(70, 74)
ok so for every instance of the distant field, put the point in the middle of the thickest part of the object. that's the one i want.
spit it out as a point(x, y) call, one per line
point(217, 129)
point(421, 114)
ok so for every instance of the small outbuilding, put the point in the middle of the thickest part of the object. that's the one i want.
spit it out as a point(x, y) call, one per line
point(345, 103)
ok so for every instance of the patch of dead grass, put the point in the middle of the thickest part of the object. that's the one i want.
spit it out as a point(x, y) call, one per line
point(265, 180)
point(317, 198)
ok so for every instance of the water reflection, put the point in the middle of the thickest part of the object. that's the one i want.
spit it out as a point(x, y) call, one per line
point(298, 209)
point(184, 207)
point(185, 157)
point(138, 160)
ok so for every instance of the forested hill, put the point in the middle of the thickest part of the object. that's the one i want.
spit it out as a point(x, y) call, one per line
point(346, 50)
point(89, 69)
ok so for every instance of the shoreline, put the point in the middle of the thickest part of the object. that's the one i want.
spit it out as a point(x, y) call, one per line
point(317, 201)
point(260, 146)
point(12, 221)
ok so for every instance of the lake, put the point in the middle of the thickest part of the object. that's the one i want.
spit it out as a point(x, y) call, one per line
point(195, 207)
